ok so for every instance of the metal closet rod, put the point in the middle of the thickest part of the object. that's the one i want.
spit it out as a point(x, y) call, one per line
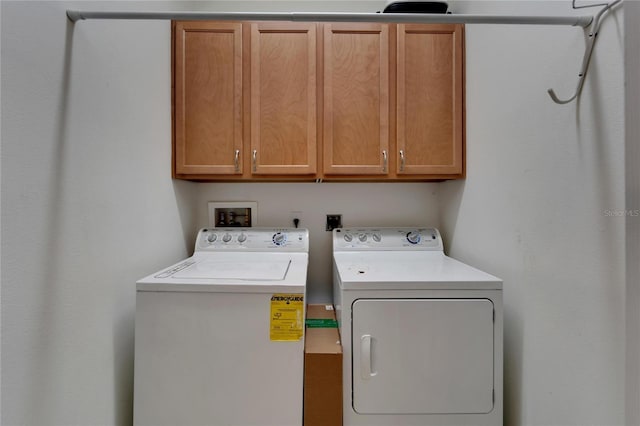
point(580, 21)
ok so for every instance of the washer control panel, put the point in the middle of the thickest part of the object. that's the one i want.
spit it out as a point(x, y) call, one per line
point(357, 239)
point(252, 239)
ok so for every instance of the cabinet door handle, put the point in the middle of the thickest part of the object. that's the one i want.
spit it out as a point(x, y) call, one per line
point(236, 160)
point(254, 157)
point(384, 161)
point(401, 160)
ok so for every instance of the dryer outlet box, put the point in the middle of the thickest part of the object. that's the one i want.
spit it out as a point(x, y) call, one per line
point(322, 369)
point(334, 221)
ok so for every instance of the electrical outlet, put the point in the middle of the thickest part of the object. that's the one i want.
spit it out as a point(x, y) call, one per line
point(334, 221)
point(296, 214)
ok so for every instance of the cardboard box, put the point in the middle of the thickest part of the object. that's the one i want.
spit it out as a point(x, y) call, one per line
point(322, 369)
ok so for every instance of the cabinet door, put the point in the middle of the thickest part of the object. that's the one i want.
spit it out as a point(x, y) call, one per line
point(356, 99)
point(208, 98)
point(283, 98)
point(430, 99)
point(422, 356)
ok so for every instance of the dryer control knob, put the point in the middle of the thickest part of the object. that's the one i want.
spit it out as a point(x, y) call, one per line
point(242, 238)
point(377, 238)
point(226, 238)
point(413, 237)
point(212, 237)
point(348, 237)
point(279, 238)
point(362, 237)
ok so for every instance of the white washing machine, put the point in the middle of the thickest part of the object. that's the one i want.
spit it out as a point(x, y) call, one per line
point(219, 336)
point(421, 332)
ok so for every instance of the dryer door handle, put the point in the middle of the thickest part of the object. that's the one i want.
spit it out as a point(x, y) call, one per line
point(366, 359)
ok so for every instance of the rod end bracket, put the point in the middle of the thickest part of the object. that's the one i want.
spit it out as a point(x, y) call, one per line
point(74, 15)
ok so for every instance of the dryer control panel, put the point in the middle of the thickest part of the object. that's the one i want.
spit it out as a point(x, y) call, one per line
point(253, 239)
point(406, 238)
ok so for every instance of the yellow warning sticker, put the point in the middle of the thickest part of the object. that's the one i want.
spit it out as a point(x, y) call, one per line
point(287, 317)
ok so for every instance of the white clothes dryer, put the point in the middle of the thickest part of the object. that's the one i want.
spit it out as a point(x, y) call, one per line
point(421, 332)
point(219, 336)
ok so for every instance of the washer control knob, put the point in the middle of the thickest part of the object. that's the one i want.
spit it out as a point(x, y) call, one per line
point(377, 237)
point(242, 238)
point(413, 237)
point(212, 237)
point(279, 238)
point(226, 238)
point(362, 237)
point(348, 237)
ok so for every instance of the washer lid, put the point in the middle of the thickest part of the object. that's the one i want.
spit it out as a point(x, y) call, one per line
point(408, 271)
point(218, 269)
point(249, 272)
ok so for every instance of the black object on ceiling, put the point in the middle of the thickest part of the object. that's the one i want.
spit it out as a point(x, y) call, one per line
point(416, 7)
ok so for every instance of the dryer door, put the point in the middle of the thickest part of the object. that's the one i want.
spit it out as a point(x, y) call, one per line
point(422, 356)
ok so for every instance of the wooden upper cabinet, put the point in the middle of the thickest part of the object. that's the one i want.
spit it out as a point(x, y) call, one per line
point(429, 99)
point(208, 98)
point(356, 99)
point(303, 101)
point(283, 98)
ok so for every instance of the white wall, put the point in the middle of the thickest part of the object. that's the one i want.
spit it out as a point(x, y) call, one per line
point(88, 206)
point(534, 210)
point(632, 156)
